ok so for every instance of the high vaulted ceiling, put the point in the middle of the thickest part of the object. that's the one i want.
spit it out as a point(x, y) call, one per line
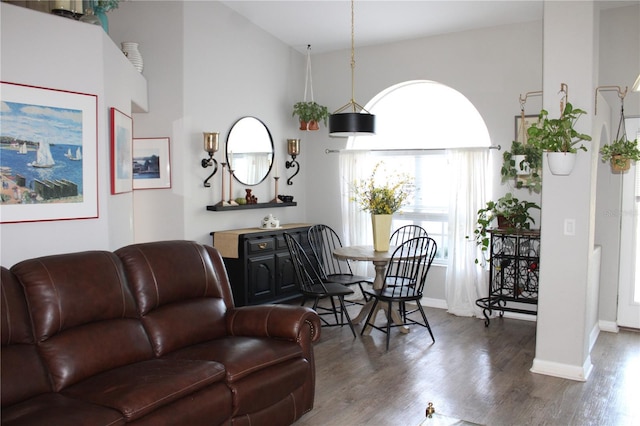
point(326, 24)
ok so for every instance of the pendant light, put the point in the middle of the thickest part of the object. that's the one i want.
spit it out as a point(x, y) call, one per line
point(352, 119)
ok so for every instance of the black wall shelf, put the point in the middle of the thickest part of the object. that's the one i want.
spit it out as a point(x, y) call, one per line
point(220, 208)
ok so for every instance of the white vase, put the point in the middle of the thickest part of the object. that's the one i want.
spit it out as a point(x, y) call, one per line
point(381, 224)
point(130, 50)
point(561, 163)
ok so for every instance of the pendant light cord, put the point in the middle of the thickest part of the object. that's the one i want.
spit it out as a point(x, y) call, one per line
point(308, 82)
point(353, 57)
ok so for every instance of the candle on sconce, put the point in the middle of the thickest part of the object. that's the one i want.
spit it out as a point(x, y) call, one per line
point(211, 141)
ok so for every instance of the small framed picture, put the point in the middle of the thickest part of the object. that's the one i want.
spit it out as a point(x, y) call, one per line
point(151, 163)
point(121, 152)
point(520, 130)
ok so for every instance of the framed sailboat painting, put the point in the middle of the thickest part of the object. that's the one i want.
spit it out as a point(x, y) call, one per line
point(48, 154)
point(121, 152)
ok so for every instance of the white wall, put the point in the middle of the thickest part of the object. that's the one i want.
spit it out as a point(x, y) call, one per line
point(49, 51)
point(207, 66)
point(491, 67)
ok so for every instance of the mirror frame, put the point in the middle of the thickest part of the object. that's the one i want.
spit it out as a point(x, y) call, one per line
point(273, 154)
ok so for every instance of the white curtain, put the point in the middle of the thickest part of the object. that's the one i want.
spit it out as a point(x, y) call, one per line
point(356, 224)
point(466, 281)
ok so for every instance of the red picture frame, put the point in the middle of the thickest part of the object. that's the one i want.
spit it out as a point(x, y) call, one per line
point(121, 152)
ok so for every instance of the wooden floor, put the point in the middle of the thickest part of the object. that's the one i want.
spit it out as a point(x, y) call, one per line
point(473, 373)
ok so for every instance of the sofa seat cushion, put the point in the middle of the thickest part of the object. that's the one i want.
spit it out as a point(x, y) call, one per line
point(269, 386)
point(137, 389)
point(55, 409)
point(241, 355)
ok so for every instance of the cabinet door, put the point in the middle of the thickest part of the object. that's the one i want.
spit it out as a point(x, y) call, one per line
point(286, 275)
point(261, 278)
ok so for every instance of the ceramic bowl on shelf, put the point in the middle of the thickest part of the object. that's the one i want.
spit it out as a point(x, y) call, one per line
point(286, 198)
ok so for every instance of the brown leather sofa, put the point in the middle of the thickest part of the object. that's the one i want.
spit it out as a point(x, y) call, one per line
point(148, 335)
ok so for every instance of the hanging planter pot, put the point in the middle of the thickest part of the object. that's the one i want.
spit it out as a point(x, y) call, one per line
point(561, 163)
point(620, 164)
point(621, 151)
point(522, 166)
point(309, 125)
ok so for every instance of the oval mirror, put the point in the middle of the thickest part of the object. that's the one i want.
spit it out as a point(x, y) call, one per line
point(249, 150)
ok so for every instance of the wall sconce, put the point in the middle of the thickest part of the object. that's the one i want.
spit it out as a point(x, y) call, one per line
point(210, 146)
point(293, 148)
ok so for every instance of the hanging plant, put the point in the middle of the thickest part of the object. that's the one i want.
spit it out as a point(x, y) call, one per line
point(621, 151)
point(309, 113)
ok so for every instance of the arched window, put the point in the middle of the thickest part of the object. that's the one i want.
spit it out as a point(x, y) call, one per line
point(420, 126)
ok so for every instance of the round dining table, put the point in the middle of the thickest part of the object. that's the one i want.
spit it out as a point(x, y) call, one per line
point(380, 259)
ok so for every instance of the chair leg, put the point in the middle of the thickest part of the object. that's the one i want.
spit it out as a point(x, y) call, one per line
point(424, 317)
point(346, 314)
point(388, 324)
point(369, 315)
point(335, 311)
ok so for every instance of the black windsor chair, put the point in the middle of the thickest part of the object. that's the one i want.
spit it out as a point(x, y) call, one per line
point(404, 282)
point(313, 286)
point(405, 233)
point(323, 240)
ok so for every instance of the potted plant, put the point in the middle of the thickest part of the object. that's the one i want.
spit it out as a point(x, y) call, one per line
point(620, 153)
point(310, 113)
point(558, 137)
point(523, 164)
point(511, 214)
point(382, 197)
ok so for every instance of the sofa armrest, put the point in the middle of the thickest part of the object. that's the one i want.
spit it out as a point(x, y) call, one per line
point(289, 322)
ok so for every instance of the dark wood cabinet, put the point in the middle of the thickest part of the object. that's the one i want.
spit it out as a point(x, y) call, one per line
point(258, 263)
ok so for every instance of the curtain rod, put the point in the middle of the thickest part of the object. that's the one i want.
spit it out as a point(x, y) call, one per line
point(335, 151)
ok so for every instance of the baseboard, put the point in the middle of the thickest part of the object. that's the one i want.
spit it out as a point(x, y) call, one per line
point(434, 303)
point(565, 371)
point(608, 326)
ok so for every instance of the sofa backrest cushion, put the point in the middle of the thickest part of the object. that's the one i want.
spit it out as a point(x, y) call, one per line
point(23, 374)
point(84, 316)
point(181, 289)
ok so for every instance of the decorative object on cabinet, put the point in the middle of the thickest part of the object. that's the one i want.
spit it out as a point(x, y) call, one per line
point(130, 50)
point(258, 263)
point(121, 152)
point(514, 273)
point(293, 149)
point(310, 112)
point(358, 122)
point(621, 151)
point(558, 137)
point(270, 222)
point(211, 145)
point(250, 151)
point(47, 165)
point(511, 213)
point(151, 163)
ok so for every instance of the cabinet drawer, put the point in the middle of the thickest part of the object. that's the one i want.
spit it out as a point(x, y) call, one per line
point(281, 244)
point(260, 245)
